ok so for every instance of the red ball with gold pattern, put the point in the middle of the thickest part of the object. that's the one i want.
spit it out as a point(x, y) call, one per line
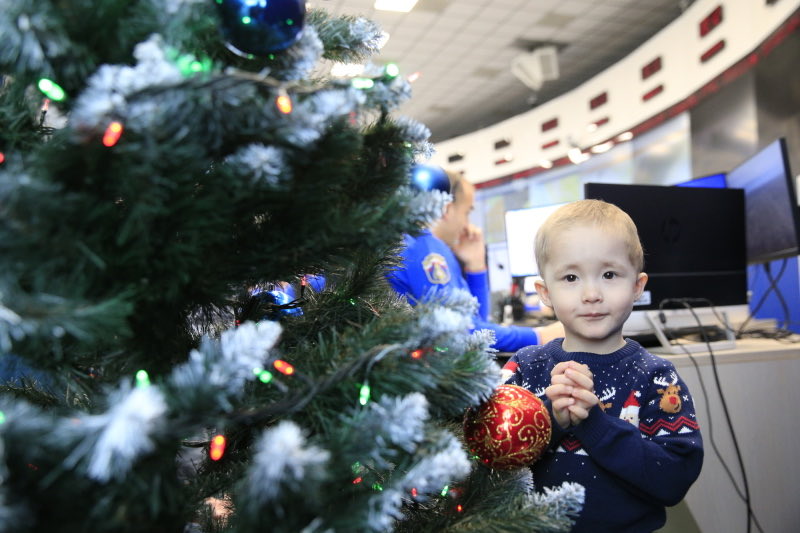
point(509, 430)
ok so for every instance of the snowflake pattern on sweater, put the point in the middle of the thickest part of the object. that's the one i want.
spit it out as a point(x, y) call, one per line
point(639, 449)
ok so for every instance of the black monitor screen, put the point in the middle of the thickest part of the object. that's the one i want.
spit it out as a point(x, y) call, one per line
point(693, 240)
point(771, 212)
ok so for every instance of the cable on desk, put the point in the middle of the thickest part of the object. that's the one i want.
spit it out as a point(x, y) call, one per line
point(751, 516)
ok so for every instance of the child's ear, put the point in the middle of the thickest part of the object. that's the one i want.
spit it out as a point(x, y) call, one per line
point(641, 281)
point(541, 290)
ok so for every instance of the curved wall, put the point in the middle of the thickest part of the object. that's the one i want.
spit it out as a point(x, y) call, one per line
point(675, 69)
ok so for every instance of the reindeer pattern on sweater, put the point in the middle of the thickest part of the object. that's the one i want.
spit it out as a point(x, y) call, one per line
point(639, 449)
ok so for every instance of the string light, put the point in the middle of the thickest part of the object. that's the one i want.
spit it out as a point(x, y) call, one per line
point(112, 134)
point(283, 103)
point(51, 89)
point(363, 83)
point(364, 394)
point(217, 449)
point(265, 376)
point(142, 379)
point(283, 367)
point(391, 70)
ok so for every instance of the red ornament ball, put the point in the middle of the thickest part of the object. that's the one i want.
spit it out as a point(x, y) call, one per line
point(509, 430)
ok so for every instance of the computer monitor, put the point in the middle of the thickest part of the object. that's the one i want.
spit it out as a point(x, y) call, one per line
point(714, 181)
point(693, 240)
point(772, 216)
point(521, 228)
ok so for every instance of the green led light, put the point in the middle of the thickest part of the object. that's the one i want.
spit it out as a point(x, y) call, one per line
point(391, 70)
point(51, 89)
point(363, 83)
point(2, 417)
point(142, 379)
point(439, 349)
point(352, 301)
point(246, 20)
point(265, 376)
point(377, 486)
point(363, 396)
point(289, 22)
point(445, 490)
point(356, 467)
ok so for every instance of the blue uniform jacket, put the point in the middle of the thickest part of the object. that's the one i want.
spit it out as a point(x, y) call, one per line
point(430, 265)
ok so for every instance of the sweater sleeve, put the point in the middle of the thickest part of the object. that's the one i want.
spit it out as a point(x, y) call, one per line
point(661, 457)
point(478, 283)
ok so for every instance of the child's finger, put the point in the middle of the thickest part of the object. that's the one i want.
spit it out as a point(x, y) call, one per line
point(558, 391)
point(561, 379)
point(560, 368)
point(585, 397)
point(580, 412)
point(580, 379)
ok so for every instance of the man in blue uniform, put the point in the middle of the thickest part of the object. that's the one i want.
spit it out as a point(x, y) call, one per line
point(431, 263)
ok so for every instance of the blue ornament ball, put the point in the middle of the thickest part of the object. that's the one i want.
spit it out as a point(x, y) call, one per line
point(268, 305)
point(260, 27)
point(430, 178)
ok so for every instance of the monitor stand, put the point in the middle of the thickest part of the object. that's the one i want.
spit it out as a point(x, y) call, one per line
point(717, 329)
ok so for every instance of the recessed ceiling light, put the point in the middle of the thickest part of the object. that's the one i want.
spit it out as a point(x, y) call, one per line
point(602, 147)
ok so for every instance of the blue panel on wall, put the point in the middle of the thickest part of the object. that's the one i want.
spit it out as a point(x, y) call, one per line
point(788, 287)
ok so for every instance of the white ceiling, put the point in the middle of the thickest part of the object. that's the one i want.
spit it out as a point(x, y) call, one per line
point(463, 50)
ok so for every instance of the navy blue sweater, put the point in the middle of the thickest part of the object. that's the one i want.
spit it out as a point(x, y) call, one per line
point(637, 452)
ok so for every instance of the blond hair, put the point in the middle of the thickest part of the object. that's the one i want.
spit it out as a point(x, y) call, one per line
point(593, 213)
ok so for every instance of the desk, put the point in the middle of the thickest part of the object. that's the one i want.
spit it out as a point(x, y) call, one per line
point(760, 380)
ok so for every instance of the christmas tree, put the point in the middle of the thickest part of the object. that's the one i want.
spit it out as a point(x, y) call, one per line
point(173, 176)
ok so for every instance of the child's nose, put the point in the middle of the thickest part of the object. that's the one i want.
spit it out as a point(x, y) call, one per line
point(591, 294)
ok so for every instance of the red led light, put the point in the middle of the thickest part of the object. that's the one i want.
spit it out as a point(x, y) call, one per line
point(459, 507)
point(414, 492)
point(217, 448)
point(2, 157)
point(112, 134)
point(283, 367)
point(358, 480)
point(416, 354)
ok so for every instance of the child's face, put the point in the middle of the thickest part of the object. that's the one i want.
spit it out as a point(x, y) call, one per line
point(591, 284)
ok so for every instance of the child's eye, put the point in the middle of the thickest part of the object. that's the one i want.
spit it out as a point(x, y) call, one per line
point(609, 275)
point(570, 278)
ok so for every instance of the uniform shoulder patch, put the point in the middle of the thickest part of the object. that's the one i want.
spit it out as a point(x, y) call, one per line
point(436, 269)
